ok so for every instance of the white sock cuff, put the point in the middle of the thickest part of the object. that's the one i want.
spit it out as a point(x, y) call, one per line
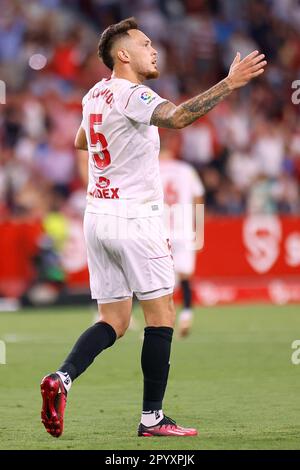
point(66, 379)
point(151, 418)
point(186, 314)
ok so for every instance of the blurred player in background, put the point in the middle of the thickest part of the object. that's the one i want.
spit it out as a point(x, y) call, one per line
point(119, 129)
point(182, 186)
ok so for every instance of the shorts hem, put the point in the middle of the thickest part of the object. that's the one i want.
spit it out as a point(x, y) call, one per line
point(112, 299)
point(154, 294)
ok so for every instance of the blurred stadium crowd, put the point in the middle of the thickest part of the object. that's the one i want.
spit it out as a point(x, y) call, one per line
point(247, 150)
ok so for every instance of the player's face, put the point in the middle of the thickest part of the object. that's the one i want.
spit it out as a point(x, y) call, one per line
point(143, 57)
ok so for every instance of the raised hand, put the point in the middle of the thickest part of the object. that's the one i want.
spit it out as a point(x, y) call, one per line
point(242, 71)
point(166, 114)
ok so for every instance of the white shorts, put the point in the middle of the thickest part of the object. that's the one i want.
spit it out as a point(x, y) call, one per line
point(127, 256)
point(184, 258)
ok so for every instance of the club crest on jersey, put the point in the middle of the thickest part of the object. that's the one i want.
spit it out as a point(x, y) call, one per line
point(147, 97)
point(103, 182)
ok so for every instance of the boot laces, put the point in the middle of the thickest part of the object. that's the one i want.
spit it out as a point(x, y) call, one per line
point(168, 421)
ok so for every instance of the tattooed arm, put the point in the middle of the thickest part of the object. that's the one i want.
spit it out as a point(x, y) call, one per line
point(169, 115)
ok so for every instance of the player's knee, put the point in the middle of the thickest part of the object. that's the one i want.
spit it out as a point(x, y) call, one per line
point(165, 316)
point(172, 313)
point(121, 328)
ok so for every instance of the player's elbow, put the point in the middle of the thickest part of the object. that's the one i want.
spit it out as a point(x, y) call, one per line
point(179, 121)
point(80, 142)
point(76, 145)
point(180, 124)
point(79, 145)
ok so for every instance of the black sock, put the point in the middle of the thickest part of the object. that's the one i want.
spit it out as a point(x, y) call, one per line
point(155, 365)
point(187, 293)
point(96, 338)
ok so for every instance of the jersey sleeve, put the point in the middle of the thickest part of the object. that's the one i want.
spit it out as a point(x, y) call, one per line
point(197, 185)
point(138, 103)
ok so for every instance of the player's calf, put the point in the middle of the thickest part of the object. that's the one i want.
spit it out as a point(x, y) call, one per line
point(185, 322)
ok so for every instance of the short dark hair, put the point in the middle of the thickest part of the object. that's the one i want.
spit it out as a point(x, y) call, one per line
point(110, 35)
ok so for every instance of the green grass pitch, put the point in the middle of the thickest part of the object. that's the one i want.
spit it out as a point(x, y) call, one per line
point(232, 378)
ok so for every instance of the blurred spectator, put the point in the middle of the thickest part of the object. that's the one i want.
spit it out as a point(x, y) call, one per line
point(241, 42)
point(260, 197)
point(242, 168)
point(199, 142)
point(268, 149)
point(286, 195)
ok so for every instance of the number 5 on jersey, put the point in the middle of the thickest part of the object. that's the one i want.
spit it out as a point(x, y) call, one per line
point(99, 142)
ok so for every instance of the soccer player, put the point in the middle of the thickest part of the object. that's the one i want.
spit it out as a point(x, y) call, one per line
point(182, 188)
point(126, 246)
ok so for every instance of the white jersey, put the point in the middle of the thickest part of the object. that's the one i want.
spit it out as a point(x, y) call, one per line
point(123, 149)
point(181, 182)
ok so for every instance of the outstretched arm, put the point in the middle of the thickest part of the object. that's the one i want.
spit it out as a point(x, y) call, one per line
point(169, 115)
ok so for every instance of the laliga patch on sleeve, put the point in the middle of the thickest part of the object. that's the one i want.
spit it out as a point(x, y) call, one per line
point(147, 97)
